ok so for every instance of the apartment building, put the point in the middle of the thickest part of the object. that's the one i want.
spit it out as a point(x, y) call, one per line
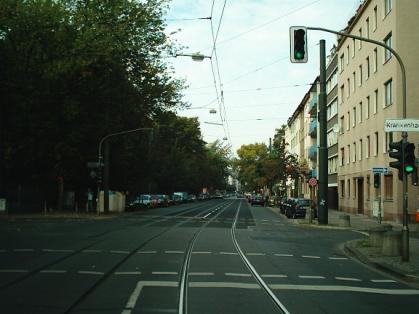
point(370, 91)
point(332, 127)
point(301, 135)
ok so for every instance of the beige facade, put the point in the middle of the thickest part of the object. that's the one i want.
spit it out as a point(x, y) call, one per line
point(370, 91)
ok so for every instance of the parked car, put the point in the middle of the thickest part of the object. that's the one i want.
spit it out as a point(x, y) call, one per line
point(298, 207)
point(154, 201)
point(257, 200)
point(163, 200)
point(183, 196)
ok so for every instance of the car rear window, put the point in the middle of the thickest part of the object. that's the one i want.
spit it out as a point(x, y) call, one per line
point(304, 202)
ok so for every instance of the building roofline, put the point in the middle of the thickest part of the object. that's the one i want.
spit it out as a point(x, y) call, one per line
point(352, 21)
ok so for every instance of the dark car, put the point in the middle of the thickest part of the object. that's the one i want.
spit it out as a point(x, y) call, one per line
point(297, 207)
point(257, 200)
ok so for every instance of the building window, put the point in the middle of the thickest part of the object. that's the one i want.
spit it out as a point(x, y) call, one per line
point(375, 18)
point(368, 187)
point(353, 81)
point(347, 55)
point(388, 138)
point(368, 148)
point(342, 188)
point(360, 74)
point(353, 48)
point(375, 59)
point(348, 152)
point(348, 121)
point(353, 117)
point(388, 187)
point(332, 109)
point(367, 73)
point(341, 65)
point(367, 25)
point(354, 187)
point(367, 108)
point(342, 93)
point(388, 91)
point(354, 152)
point(332, 138)
point(388, 5)
point(360, 150)
point(348, 93)
point(375, 101)
point(376, 144)
point(349, 188)
point(389, 42)
point(360, 113)
point(359, 41)
point(342, 125)
point(342, 156)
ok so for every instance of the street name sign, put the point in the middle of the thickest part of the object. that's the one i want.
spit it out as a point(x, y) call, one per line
point(379, 170)
point(403, 125)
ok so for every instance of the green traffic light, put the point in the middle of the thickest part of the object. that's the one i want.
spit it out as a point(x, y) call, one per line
point(298, 55)
point(408, 168)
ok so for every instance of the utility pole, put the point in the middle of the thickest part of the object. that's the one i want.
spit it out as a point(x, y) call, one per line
point(106, 180)
point(323, 172)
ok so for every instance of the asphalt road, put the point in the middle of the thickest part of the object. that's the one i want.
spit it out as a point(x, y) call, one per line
point(135, 263)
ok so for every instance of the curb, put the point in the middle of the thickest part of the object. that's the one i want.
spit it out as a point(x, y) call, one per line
point(350, 250)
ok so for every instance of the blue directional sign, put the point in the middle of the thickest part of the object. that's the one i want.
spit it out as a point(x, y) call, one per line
point(379, 170)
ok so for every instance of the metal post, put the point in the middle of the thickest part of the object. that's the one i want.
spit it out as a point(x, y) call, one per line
point(323, 176)
point(405, 229)
point(106, 180)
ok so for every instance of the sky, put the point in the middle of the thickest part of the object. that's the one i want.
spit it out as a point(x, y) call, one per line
point(249, 80)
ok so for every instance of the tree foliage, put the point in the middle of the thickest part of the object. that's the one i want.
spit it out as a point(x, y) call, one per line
point(73, 71)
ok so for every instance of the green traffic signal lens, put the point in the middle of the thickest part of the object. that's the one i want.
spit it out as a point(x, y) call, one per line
point(408, 168)
point(298, 55)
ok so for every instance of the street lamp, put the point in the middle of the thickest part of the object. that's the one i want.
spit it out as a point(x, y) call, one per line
point(197, 56)
point(105, 164)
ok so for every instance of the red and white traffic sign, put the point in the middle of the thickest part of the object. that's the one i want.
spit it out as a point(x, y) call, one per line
point(312, 181)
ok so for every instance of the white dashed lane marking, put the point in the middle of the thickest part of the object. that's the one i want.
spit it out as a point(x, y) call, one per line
point(92, 251)
point(237, 275)
point(201, 274)
point(23, 250)
point(284, 255)
point(347, 279)
point(337, 258)
point(201, 252)
point(119, 252)
point(173, 252)
point(53, 271)
point(164, 272)
point(310, 256)
point(311, 277)
point(89, 272)
point(228, 253)
point(57, 251)
point(127, 273)
point(274, 276)
point(256, 254)
point(14, 271)
point(147, 252)
point(382, 280)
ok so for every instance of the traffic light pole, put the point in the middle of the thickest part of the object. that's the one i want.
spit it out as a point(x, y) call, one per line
point(405, 230)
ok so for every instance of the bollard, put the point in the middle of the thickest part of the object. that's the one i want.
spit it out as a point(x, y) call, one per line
point(392, 243)
point(377, 234)
point(344, 220)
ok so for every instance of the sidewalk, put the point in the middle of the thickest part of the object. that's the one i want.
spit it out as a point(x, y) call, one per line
point(363, 251)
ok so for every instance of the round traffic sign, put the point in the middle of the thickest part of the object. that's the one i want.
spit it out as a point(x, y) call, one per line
point(312, 181)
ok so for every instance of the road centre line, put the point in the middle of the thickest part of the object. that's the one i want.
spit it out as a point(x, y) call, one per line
point(164, 272)
point(89, 272)
point(284, 255)
point(204, 252)
point(382, 280)
point(337, 258)
point(119, 252)
point(256, 254)
point(237, 274)
point(146, 252)
point(310, 256)
point(228, 253)
point(311, 277)
point(347, 279)
point(174, 252)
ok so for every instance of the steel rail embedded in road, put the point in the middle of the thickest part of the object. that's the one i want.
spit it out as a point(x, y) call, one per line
point(106, 275)
point(255, 274)
point(183, 284)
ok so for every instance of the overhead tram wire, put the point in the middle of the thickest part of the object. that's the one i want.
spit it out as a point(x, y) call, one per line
point(214, 53)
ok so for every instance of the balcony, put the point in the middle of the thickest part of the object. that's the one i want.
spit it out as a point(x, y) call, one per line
point(312, 152)
point(312, 129)
point(312, 105)
point(314, 173)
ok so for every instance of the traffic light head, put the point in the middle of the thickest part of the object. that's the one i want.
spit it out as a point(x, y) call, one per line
point(396, 153)
point(298, 45)
point(409, 158)
point(377, 180)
